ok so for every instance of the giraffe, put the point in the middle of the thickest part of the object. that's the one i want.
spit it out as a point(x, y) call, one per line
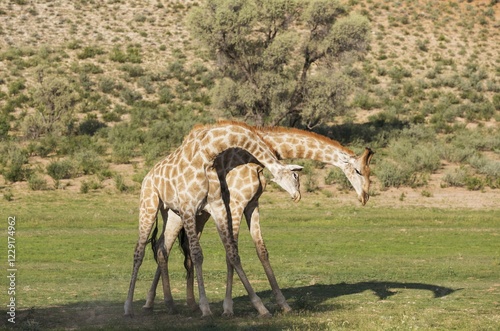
point(243, 199)
point(179, 183)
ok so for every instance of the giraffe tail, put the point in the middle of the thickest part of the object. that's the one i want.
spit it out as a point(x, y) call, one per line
point(154, 241)
point(184, 246)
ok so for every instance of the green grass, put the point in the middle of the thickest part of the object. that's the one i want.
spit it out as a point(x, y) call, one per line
point(340, 267)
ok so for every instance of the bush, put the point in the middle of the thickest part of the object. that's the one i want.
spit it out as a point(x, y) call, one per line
point(130, 96)
point(4, 126)
point(106, 84)
point(90, 52)
point(456, 178)
point(390, 173)
point(123, 151)
point(120, 183)
point(336, 176)
point(63, 169)
point(496, 101)
point(133, 70)
point(474, 183)
point(16, 86)
point(89, 162)
point(14, 169)
point(90, 185)
point(90, 125)
point(8, 195)
point(37, 183)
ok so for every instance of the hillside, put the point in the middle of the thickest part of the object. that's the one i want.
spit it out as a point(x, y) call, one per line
point(134, 81)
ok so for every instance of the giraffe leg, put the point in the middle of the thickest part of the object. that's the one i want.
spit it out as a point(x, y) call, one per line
point(189, 221)
point(236, 214)
point(171, 229)
point(252, 216)
point(150, 298)
point(234, 259)
point(167, 293)
point(201, 220)
point(147, 216)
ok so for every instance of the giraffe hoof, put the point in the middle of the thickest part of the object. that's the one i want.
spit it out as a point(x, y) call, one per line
point(286, 309)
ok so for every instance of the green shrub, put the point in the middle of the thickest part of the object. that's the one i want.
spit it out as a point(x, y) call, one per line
point(120, 183)
point(89, 162)
point(337, 176)
point(90, 125)
point(14, 169)
point(496, 101)
point(364, 101)
point(4, 126)
point(37, 183)
point(93, 184)
point(455, 178)
point(111, 117)
point(133, 70)
point(84, 187)
point(165, 95)
point(63, 169)
point(123, 151)
point(130, 96)
point(90, 52)
point(8, 195)
point(474, 183)
point(16, 86)
point(392, 174)
point(132, 55)
point(106, 84)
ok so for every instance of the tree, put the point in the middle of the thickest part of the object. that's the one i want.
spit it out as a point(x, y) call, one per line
point(280, 60)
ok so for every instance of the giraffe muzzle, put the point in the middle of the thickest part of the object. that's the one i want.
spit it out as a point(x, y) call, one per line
point(296, 197)
point(363, 198)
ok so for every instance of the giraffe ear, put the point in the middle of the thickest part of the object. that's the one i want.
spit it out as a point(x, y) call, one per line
point(294, 167)
point(367, 156)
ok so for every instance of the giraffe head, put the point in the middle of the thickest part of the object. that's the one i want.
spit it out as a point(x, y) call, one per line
point(288, 179)
point(357, 171)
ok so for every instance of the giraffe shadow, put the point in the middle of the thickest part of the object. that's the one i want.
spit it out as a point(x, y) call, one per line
point(316, 297)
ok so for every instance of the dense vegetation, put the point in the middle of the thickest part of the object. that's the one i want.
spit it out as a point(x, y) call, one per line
point(90, 85)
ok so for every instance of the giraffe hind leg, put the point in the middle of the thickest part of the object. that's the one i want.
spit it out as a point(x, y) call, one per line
point(147, 217)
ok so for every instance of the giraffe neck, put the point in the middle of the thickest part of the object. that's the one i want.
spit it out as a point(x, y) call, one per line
point(220, 138)
point(299, 144)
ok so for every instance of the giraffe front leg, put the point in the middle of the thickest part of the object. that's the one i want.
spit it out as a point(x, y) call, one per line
point(233, 258)
point(252, 216)
point(236, 214)
point(228, 299)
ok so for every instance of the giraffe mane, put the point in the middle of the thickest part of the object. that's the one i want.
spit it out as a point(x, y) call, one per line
point(314, 135)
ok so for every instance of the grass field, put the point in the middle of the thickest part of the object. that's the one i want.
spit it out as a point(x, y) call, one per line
point(340, 266)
